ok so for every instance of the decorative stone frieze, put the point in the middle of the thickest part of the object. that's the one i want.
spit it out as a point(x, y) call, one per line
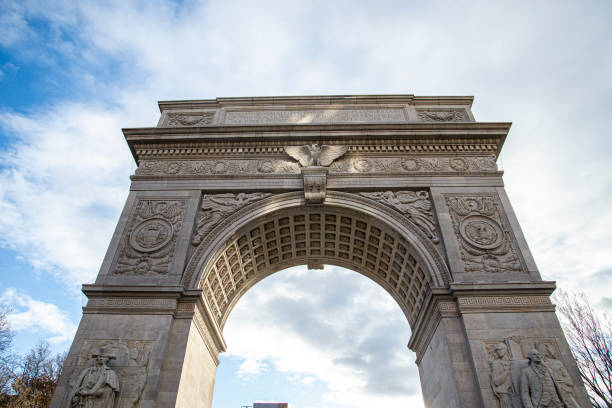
point(142, 305)
point(448, 308)
point(413, 204)
point(505, 304)
point(216, 168)
point(148, 244)
point(185, 308)
point(414, 164)
point(484, 239)
point(350, 165)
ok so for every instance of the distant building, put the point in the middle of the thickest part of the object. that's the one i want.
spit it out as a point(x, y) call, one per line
point(270, 405)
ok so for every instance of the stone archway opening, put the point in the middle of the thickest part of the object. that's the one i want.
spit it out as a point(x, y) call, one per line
point(314, 236)
point(403, 189)
point(355, 234)
point(334, 329)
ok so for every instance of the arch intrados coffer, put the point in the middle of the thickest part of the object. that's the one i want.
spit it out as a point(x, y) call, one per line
point(315, 235)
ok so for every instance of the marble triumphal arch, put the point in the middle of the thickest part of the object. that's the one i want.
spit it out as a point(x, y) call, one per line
point(403, 189)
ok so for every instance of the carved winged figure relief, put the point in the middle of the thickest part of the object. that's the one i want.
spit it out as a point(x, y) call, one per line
point(414, 204)
point(215, 207)
point(315, 155)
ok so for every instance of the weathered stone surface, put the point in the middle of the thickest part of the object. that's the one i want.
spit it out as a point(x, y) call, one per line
point(401, 188)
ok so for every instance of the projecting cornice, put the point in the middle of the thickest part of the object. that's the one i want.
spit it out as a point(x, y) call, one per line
point(409, 137)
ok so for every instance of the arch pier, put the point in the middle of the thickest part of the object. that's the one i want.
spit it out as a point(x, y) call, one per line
point(403, 189)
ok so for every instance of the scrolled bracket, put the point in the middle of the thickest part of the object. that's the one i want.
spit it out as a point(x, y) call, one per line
point(315, 184)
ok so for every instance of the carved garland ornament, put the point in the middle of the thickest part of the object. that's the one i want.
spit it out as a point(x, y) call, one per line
point(187, 119)
point(412, 164)
point(150, 240)
point(215, 167)
point(484, 241)
point(451, 115)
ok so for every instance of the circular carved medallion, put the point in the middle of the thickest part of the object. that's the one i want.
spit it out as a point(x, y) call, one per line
point(151, 235)
point(219, 167)
point(481, 232)
point(458, 164)
point(266, 166)
point(173, 168)
point(410, 164)
point(362, 165)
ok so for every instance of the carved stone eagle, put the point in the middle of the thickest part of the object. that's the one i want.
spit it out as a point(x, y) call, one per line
point(315, 155)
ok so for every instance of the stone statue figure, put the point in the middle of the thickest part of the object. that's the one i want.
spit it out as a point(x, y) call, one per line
point(560, 374)
point(315, 155)
point(538, 386)
point(501, 379)
point(97, 386)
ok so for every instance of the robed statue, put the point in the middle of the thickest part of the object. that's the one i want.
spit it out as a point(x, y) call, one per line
point(97, 386)
point(501, 379)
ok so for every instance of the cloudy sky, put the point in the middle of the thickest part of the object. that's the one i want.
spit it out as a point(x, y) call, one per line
point(72, 74)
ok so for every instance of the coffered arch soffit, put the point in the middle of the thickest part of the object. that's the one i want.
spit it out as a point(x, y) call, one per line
point(348, 230)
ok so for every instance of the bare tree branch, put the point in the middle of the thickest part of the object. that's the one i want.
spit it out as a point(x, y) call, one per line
point(590, 339)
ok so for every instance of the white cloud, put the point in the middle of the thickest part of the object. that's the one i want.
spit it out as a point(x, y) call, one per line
point(37, 316)
point(332, 325)
point(13, 26)
point(62, 185)
point(251, 367)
